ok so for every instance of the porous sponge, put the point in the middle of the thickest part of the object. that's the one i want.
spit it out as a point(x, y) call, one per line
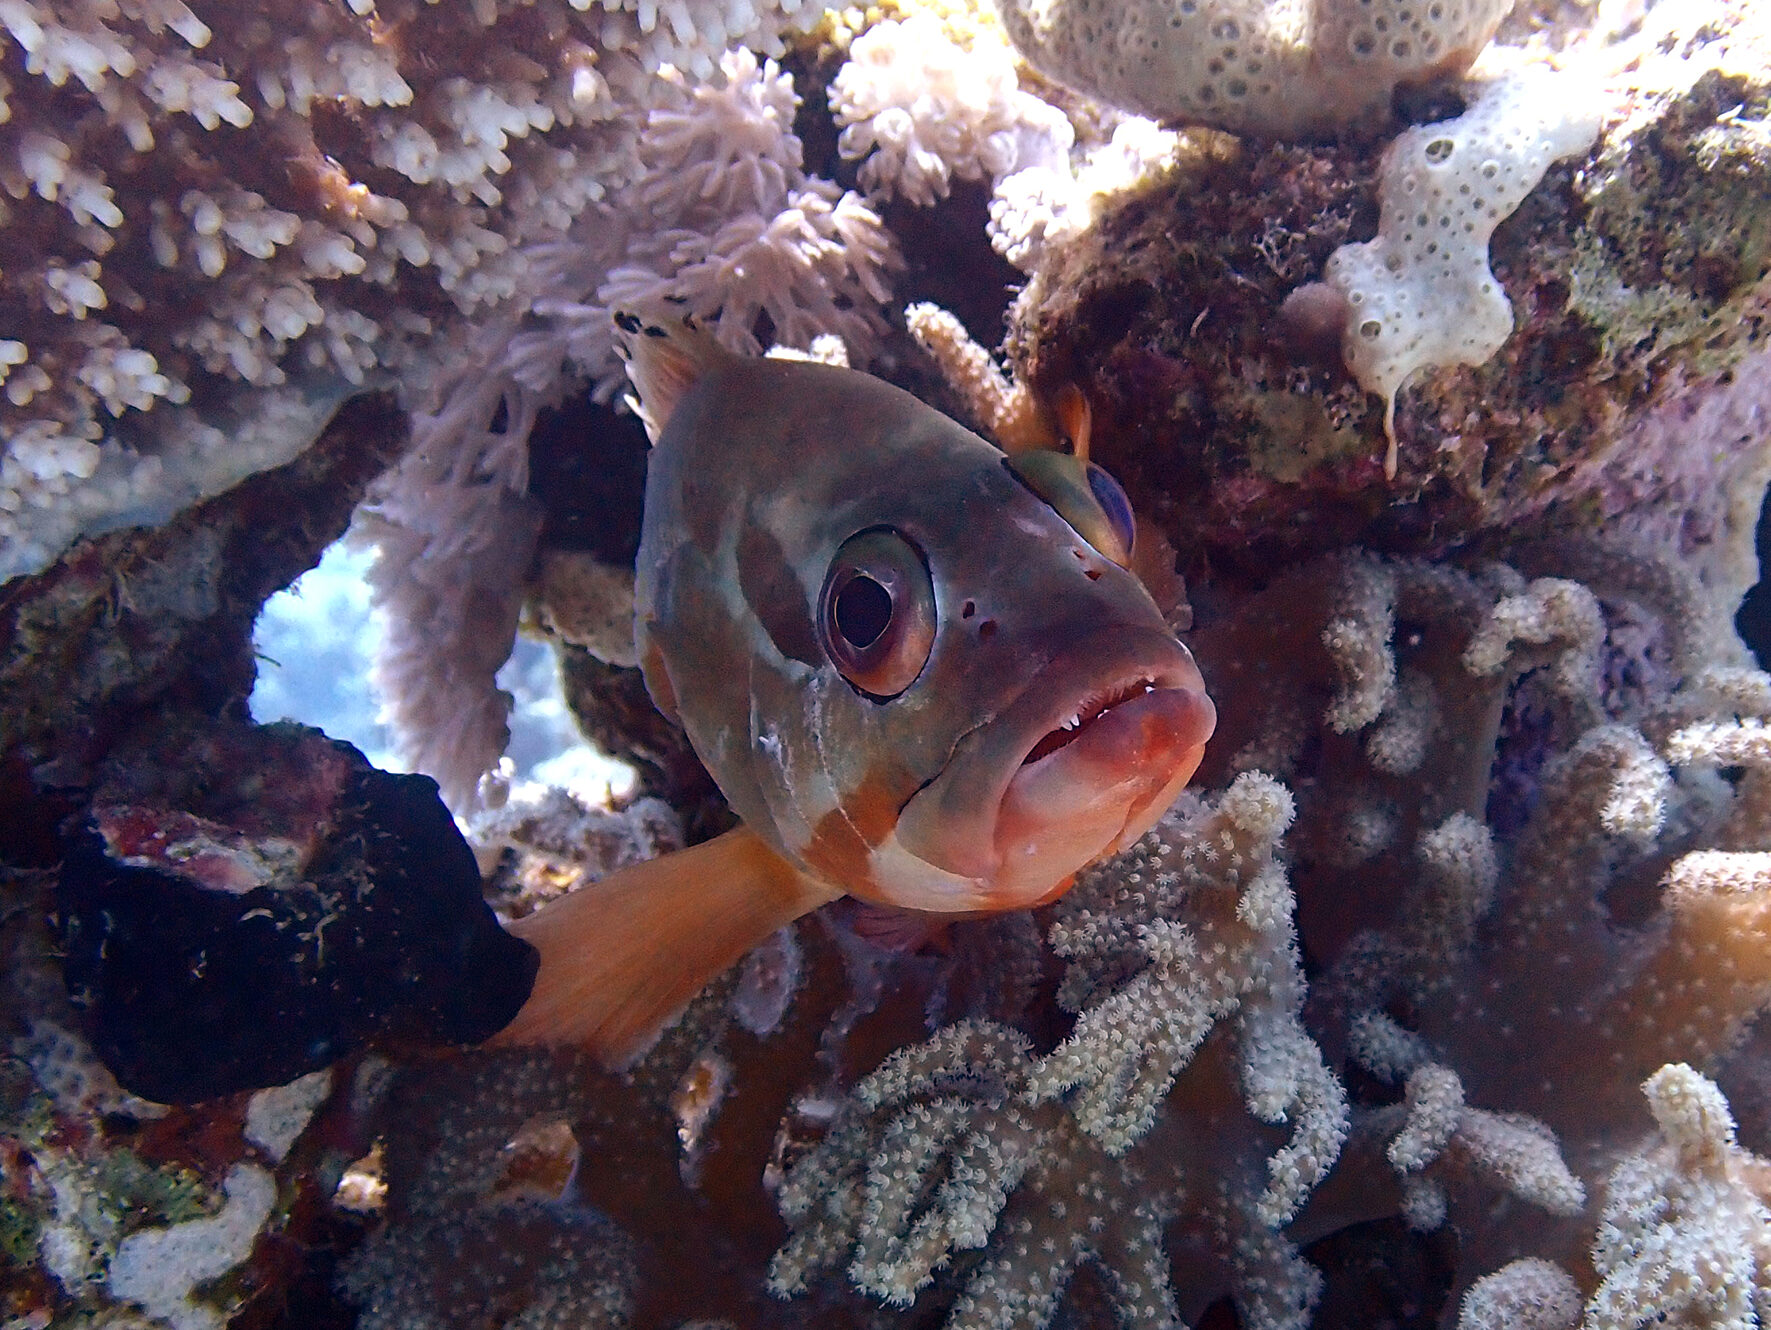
point(1421, 293)
point(1273, 68)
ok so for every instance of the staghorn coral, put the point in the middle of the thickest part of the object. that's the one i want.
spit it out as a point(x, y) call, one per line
point(1472, 966)
point(1438, 931)
point(1681, 1238)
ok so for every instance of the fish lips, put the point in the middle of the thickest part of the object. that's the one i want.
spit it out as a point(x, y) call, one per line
point(1083, 762)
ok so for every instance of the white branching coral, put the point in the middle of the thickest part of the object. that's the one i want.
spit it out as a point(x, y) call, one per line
point(1508, 1152)
point(970, 1141)
point(210, 204)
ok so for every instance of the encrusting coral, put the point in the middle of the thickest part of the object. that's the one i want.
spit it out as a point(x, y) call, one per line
point(1443, 189)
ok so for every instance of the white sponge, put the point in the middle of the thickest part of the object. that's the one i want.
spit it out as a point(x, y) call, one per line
point(1422, 293)
point(1272, 68)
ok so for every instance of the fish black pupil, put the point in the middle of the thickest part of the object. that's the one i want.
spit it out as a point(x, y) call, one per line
point(1111, 496)
point(863, 611)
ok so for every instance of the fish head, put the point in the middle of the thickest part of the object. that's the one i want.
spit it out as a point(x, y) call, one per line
point(1055, 717)
point(918, 668)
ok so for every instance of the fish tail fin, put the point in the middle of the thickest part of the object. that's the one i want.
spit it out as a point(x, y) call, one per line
point(665, 356)
point(621, 958)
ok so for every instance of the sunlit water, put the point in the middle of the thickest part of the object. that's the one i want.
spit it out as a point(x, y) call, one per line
point(316, 641)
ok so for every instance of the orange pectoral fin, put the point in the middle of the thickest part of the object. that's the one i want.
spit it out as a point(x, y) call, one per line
point(622, 957)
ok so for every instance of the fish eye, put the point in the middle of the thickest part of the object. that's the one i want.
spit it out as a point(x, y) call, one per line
point(876, 613)
point(1084, 495)
point(1115, 507)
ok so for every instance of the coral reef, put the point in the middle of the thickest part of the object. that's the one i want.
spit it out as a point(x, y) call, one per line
point(1439, 1001)
point(1421, 292)
point(1525, 787)
point(716, 214)
point(969, 1142)
point(204, 197)
point(115, 1210)
point(161, 618)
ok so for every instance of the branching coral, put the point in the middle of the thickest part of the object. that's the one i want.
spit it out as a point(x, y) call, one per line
point(1682, 1238)
point(1514, 968)
point(1092, 1152)
point(1515, 982)
point(442, 197)
point(143, 173)
point(1532, 787)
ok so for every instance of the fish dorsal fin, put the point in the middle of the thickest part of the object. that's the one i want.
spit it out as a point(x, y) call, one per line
point(622, 957)
point(665, 356)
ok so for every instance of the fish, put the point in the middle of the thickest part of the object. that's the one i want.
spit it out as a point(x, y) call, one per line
point(920, 670)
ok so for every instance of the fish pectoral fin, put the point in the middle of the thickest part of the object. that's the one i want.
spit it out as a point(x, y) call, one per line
point(621, 958)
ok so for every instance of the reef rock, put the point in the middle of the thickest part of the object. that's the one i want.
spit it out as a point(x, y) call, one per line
point(1627, 391)
point(242, 905)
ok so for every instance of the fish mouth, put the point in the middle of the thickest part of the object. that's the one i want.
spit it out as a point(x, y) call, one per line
point(1088, 710)
point(1094, 749)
